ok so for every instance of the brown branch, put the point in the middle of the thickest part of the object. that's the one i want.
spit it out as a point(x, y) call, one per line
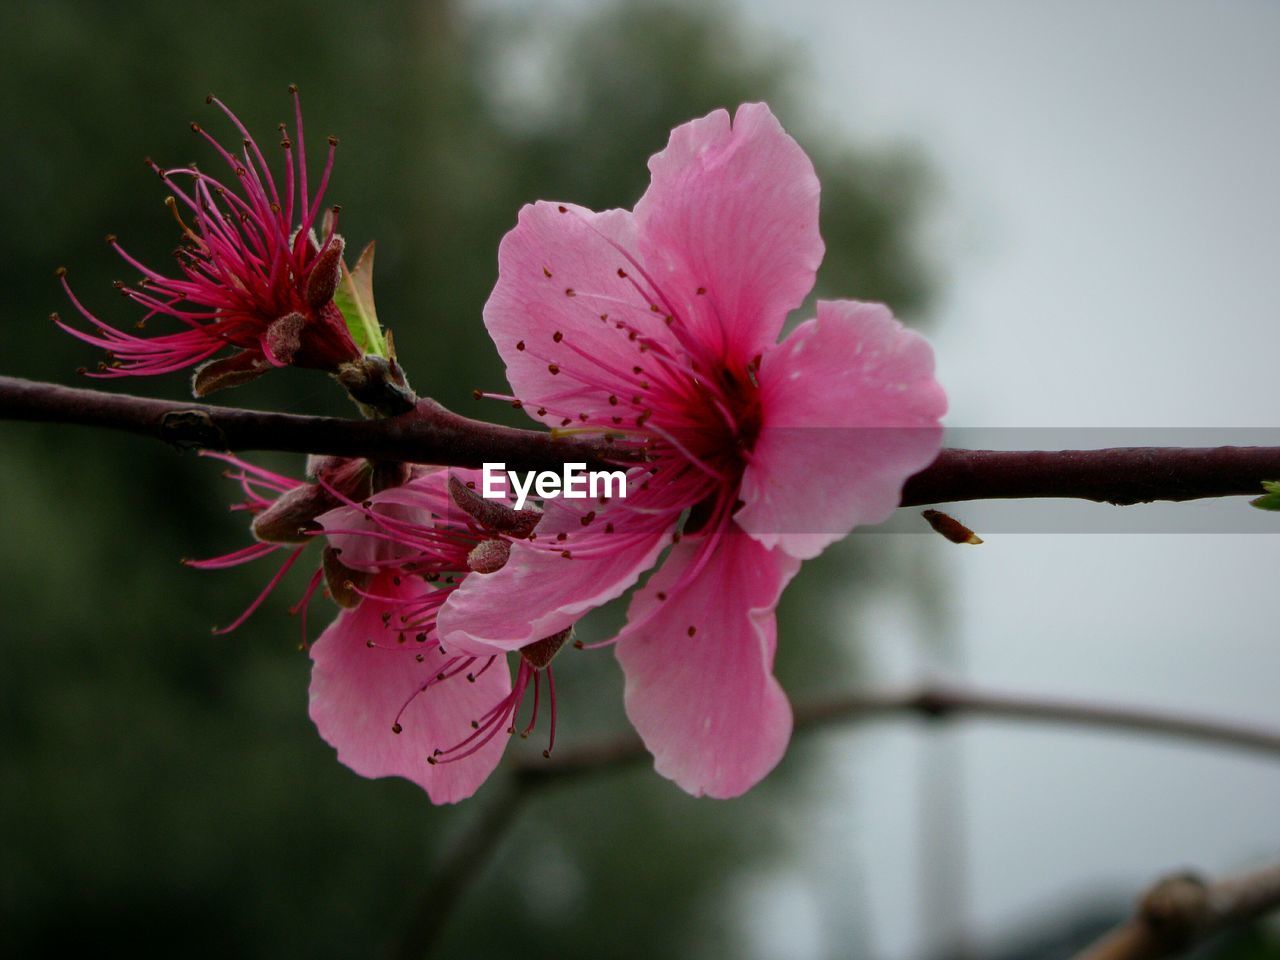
point(432, 434)
point(934, 701)
point(1119, 475)
point(1183, 909)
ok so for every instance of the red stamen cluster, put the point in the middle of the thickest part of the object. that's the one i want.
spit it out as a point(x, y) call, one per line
point(253, 274)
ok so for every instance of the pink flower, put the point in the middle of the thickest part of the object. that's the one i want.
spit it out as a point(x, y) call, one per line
point(659, 327)
point(252, 274)
point(385, 693)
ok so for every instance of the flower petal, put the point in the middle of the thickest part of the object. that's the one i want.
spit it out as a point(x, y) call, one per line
point(540, 590)
point(851, 411)
point(356, 692)
point(365, 544)
point(707, 705)
point(564, 311)
point(732, 211)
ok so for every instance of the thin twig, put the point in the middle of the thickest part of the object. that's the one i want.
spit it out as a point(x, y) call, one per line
point(461, 865)
point(1183, 909)
point(471, 854)
point(432, 434)
point(935, 701)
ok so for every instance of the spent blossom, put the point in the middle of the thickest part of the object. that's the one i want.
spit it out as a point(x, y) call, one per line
point(658, 328)
point(253, 276)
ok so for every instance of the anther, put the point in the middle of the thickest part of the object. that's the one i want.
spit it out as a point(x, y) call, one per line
point(519, 346)
point(553, 368)
point(563, 209)
point(333, 141)
point(702, 291)
point(692, 631)
point(396, 728)
point(557, 336)
point(546, 273)
point(568, 292)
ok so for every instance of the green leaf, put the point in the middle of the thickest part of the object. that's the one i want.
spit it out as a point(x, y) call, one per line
point(354, 297)
point(1271, 500)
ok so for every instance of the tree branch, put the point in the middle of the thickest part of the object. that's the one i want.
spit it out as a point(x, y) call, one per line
point(1183, 909)
point(936, 701)
point(473, 850)
point(432, 434)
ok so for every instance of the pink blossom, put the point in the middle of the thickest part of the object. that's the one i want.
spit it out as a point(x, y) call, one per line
point(659, 328)
point(252, 274)
point(384, 692)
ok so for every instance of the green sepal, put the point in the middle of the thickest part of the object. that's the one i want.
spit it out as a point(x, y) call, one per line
point(354, 297)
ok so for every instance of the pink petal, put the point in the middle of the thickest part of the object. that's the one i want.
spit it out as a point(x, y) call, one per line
point(558, 274)
point(851, 411)
point(732, 210)
point(356, 693)
point(707, 706)
point(540, 591)
point(366, 544)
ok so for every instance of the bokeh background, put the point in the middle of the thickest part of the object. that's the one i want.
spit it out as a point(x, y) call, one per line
point(1076, 200)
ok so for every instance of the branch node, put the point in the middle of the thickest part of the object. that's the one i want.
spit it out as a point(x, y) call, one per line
point(1176, 909)
point(191, 430)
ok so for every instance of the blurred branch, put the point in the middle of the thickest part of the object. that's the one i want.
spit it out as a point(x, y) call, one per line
point(463, 862)
point(469, 857)
point(432, 434)
point(1183, 909)
point(935, 701)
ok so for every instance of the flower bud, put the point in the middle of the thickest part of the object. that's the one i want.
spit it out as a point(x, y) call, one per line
point(379, 384)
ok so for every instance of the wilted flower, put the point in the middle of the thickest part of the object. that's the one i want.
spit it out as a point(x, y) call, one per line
point(253, 275)
point(659, 326)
